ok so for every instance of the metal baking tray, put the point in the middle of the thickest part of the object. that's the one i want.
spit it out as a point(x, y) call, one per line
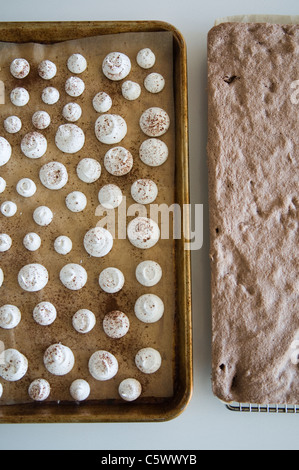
point(151, 409)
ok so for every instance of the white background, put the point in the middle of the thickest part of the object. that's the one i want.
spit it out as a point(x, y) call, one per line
point(205, 424)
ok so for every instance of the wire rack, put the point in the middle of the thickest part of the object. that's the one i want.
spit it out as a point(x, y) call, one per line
point(252, 408)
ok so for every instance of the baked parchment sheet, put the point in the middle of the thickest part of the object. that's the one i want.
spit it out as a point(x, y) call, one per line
point(29, 337)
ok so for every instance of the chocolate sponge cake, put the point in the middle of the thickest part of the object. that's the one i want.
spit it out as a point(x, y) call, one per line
point(253, 158)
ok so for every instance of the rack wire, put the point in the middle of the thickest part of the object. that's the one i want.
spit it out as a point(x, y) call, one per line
point(253, 408)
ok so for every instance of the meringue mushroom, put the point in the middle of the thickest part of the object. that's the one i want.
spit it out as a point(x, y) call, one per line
point(110, 129)
point(59, 359)
point(39, 390)
point(154, 122)
point(12, 124)
point(79, 389)
point(116, 66)
point(146, 58)
point(76, 63)
point(50, 95)
point(131, 90)
point(47, 69)
point(118, 161)
point(19, 68)
point(102, 102)
point(14, 365)
point(19, 96)
point(53, 175)
point(72, 112)
point(34, 145)
point(129, 389)
point(5, 151)
point(148, 360)
point(89, 170)
point(143, 232)
point(103, 365)
point(154, 83)
point(74, 86)
point(69, 138)
point(33, 277)
point(98, 242)
point(153, 152)
point(73, 276)
point(41, 120)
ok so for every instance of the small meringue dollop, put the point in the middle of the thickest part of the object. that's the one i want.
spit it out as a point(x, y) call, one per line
point(19, 96)
point(1, 277)
point(59, 359)
point(116, 66)
point(153, 152)
point(146, 58)
point(43, 216)
point(34, 145)
point(80, 390)
point(74, 86)
point(26, 187)
point(19, 68)
point(50, 95)
point(41, 120)
point(98, 242)
point(63, 245)
point(116, 324)
point(76, 63)
point(154, 83)
point(72, 112)
point(73, 276)
point(39, 390)
point(89, 170)
point(118, 161)
point(148, 273)
point(144, 191)
point(102, 102)
point(45, 313)
point(2, 185)
point(149, 308)
point(47, 69)
point(143, 232)
point(5, 151)
point(111, 280)
point(102, 365)
point(33, 277)
point(83, 321)
point(69, 138)
point(148, 360)
point(76, 201)
point(110, 196)
point(110, 129)
point(53, 175)
point(5, 242)
point(130, 389)
point(32, 241)
point(12, 124)
point(10, 317)
point(154, 122)
point(13, 365)
point(1, 390)
point(8, 208)
point(131, 90)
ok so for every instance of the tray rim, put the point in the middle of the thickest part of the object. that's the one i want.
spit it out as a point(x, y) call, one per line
point(155, 412)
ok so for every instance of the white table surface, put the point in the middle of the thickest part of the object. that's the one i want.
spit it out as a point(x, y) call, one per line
point(206, 423)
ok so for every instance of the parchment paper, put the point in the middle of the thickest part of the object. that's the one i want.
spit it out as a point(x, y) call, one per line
point(29, 337)
point(274, 19)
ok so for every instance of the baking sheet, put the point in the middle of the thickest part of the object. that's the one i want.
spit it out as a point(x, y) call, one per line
point(28, 337)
